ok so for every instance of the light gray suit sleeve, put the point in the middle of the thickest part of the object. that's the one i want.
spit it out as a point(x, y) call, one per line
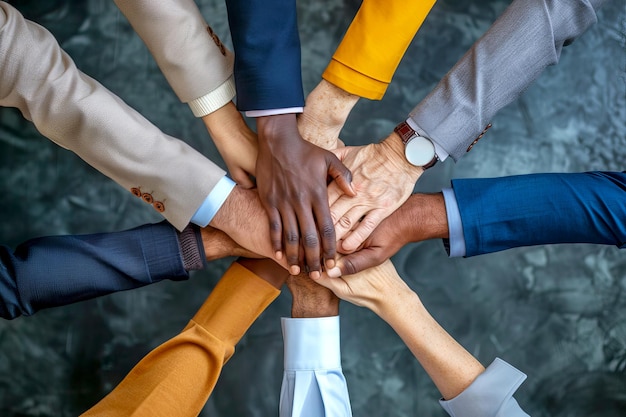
point(81, 115)
point(526, 39)
point(490, 395)
point(191, 56)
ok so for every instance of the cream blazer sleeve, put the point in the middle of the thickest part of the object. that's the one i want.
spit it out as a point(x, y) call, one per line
point(79, 114)
point(191, 56)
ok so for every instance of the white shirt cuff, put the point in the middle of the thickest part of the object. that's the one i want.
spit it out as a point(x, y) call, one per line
point(312, 343)
point(213, 202)
point(214, 100)
point(273, 112)
point(455, 224)
point(441, 153)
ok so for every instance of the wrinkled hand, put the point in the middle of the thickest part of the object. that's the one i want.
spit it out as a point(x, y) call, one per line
point(309, 299)
point(421, 217)
point(379, 288)
point(382, 179)
point(325, 113)
point(235, 141)
point(292, 178)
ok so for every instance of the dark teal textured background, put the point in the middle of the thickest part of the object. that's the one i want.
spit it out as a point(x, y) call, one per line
point(558, 313)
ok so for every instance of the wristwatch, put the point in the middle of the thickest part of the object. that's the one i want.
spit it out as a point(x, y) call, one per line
point(418, 150)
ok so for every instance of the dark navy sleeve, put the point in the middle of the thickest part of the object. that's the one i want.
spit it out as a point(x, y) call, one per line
point(58, 270)
point(537, 209)
point(267, 54)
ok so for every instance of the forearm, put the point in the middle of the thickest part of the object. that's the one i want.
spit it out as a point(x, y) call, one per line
point(50, 271)
point(370, 52)
point(267, 54)
point(177, 378)
point(502, 213)
point(79, 114)
point(450, 366)
point(195, 63)
point(524, 40)
point(422, 217)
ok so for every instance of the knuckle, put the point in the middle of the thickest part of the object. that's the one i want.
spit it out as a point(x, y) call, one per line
point(327, 232)
point(275, 226)
point(349, 266)
point(345, 222)
point(292, 238)
point(310, 240)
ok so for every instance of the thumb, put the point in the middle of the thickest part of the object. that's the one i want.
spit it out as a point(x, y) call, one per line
point(355, 262)
point(242, 178)
point(341, 175)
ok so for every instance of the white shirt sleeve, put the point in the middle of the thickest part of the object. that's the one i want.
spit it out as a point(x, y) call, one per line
point(313, 383)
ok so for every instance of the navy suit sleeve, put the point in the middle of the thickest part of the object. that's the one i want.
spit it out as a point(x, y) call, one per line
point(537, 209)
point(267, 54)
point(59, 270)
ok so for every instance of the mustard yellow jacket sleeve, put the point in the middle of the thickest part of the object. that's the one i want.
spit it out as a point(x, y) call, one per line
point(374, 44)
point(176, 378)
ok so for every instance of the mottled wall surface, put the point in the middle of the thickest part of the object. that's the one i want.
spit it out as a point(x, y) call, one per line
point(558, 313)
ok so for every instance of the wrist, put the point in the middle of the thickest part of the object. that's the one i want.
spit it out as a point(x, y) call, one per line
point(223, 121)
point(424, 217)
point(393, 149)
point(309, 299)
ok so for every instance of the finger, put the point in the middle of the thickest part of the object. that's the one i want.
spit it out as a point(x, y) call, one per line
point(336, 285)
point(362, 231)
point(310, 239)
point(334, 193)
point(347, 219)
point(291, 237)
point(276, 230)
point(341, 151)
point(326, 228)
point(341, 175)
point(357, 262)
point(242, 178)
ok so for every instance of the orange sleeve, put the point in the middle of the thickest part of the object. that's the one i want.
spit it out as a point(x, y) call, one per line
point(374, 45)
point(176, 378)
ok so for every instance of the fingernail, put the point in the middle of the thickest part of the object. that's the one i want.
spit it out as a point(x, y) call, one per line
point(294, 269)
point(279, 255)
point(330, 263)
point(314, 275)
point(334, 272)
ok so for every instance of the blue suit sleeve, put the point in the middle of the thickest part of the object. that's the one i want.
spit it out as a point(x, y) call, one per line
point(537, 209)
point(267, 54)
point(59, 270)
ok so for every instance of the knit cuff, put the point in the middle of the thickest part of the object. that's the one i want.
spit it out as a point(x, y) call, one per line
point(190, 241)
point(214, 100)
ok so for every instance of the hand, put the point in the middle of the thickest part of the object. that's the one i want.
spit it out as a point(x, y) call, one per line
point(243, 219)
point(382, 179)
point(309, 299)
point(325, 112)
point(292, 178)
point(218, 244)
point(236, 143)
point(421, 217)
point(380, 288)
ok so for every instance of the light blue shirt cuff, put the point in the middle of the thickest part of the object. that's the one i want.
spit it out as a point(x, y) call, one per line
point(455, 224)
point(213, 202)
point(490, 395)
point(312, 343)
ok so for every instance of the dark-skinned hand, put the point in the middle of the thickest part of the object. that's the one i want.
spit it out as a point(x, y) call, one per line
point(292, 177)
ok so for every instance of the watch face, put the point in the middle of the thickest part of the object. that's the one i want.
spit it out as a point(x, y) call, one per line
point(419, 151)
